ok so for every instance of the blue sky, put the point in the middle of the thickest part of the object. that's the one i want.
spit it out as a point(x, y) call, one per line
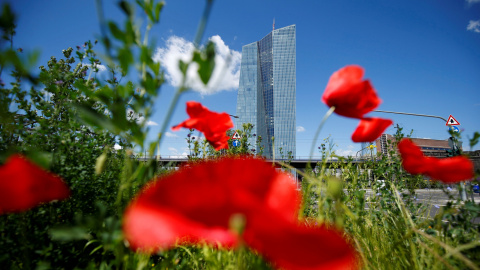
point(421, 56)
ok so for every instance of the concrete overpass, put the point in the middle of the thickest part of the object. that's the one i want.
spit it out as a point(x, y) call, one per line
point(301, 163)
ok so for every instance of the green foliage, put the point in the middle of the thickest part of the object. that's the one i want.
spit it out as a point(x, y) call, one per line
point(205, 61)
point(379, 212)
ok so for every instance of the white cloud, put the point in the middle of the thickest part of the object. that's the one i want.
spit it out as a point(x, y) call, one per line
point(100, 67)
point(171, 135)
point(151, 123)
point(117, 147)
point(46, 95)
point(472, 1)
point(474, 25)
point(346, 153)
point(225, 76)
point(131, 115)
point(300, 129)
point(175, 154)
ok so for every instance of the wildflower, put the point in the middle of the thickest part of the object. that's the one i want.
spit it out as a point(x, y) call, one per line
point(213, 125)
point(78, 48)
point(351, 96)
point(369, 129)
point(59, 82)
point(446, 170)
point(202, 203)
point(24, 185)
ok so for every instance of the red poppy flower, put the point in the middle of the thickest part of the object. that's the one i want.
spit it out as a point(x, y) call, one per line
point(446, 170)
point(24, 185)
point(213, 125)
point(196, 203)
point(351, 96)
point(298, 246)
point(369, 129)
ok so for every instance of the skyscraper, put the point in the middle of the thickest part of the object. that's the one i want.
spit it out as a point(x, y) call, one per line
point(267, 92)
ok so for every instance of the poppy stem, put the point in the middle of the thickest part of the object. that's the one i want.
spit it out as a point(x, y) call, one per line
point(325, 117)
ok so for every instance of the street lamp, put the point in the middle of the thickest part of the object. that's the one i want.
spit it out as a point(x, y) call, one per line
point(371, 146)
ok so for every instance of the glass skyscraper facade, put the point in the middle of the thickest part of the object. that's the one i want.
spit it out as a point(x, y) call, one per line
point(267, 92)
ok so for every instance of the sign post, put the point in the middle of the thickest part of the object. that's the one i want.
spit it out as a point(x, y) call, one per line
point(452, 142)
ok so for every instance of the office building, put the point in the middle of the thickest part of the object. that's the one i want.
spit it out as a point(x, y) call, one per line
point(429, 147)
point(267, 92)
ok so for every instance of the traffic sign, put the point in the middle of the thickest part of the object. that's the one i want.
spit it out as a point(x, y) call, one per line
point(455, 129)
point(236, 143)
point(452, 121)
point(236, 136)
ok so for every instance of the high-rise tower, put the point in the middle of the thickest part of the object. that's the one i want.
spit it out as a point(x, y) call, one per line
point(267, 92)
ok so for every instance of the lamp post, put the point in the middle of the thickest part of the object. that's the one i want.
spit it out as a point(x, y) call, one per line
point(371, 146)
point(461, 186)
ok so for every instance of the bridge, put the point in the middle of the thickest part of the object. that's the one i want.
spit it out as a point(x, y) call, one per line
point(301, 162)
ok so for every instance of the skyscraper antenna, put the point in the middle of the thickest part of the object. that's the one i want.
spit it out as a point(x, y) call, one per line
point(273, 23)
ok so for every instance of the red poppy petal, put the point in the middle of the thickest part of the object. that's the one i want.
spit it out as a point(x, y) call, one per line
point(189, 123)
point(447, 170)
point(195, 109)
point(451, 170)
point(408, 148)
point(150, 229)
point(347, 76)
point(292, 246)
point(413, 160)
point(213, 125)
point(284, 197)
point(351, 96)
point(369, 129)
point(24, 185)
